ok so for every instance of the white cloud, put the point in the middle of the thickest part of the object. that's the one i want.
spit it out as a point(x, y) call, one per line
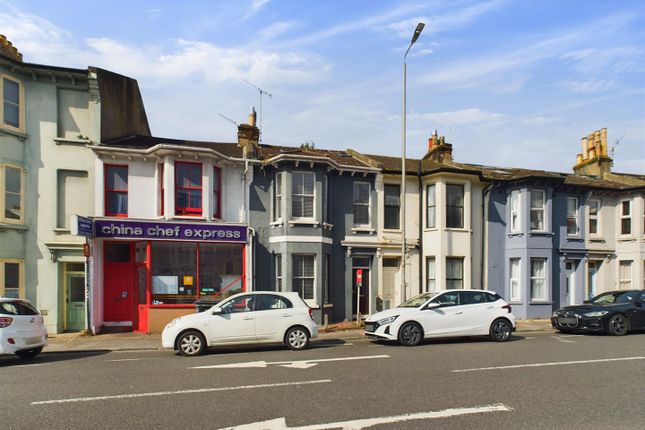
point(276, 29)
point(256, 5)
point(459, 117)
point(588, 86)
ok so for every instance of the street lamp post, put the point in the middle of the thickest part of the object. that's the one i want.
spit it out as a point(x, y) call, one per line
point(415, 36)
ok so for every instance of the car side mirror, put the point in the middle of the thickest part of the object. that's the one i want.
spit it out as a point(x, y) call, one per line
point(432, 306)
point(217, 311)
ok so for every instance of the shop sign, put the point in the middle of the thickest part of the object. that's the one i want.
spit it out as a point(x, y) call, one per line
point(127, 229)
point(81, 226)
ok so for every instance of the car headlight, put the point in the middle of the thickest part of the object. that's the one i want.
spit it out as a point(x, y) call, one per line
point(173, 322)
point(596, 314)
point(388, 320)
point(555, 313)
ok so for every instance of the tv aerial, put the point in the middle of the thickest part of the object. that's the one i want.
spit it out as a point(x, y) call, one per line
point(228, 119)
point(613, 147)
point(262, 92)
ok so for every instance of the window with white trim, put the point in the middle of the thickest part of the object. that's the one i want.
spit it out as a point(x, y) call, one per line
point(303, 278)
point(454, 206)
point(12, 279)
point(326, 279)
point(572, 216)
point(392, 206)
point(12, 194)
point(361, 204)
point(626, 217)
point(454, 272)
point(538, 279)
point(431, 201)
point(12, 108)
point(594, 215)
point(515, 279)
point(515, 220)
point(431, 274)
point(538, 210)
point(277, 196)
point(277, 261)
point(625, 274)
point(325, 199)
point(302, 195)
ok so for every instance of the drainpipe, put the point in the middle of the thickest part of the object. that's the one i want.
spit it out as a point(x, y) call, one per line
point(421, 216)
point(485, 192)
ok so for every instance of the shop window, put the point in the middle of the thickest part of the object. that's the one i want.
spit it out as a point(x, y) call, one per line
point(361, 204)
point(392, 210)
point(12, 109)
point(431, 211)
point(626, 217)
point(454, 206)
point(303, 276)
point(217, 192)
point(302, 195)
point(174, 272)
point(116, 190)
point(188, 189)
point(538, 279)
point(538, 210)
point(12, 194)
point(454, 273)
point(572, 216)
point(12, 279)
point(220, 270)
point(594, 215)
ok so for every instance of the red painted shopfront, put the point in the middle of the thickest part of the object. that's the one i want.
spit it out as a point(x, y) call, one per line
point(147, 283)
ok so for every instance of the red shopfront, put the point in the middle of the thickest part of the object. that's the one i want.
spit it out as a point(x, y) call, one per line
point(147, 283)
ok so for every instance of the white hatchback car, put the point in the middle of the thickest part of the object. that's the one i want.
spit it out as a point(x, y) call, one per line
point(244, 318)
point(450, 313)
point(22, 331)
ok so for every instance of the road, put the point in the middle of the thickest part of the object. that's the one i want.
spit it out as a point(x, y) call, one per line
point(535, 381)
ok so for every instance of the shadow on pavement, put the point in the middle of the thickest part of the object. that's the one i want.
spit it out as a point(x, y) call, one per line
point(236, 349)
point(49, 357)
point(450, 340)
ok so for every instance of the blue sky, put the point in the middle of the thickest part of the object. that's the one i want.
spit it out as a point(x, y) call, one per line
point(508, 82)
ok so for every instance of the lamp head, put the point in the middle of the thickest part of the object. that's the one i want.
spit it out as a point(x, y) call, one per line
point(417, 32)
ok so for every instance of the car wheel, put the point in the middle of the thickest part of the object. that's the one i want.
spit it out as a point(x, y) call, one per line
point(618, 325)
point(410, 334)
point(191, 343)
point(29, 353)
point(500, 330)
point(296, 338)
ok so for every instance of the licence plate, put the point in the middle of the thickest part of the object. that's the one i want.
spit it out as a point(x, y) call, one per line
point(370, 327)
point(568, 321)
point(33, 340)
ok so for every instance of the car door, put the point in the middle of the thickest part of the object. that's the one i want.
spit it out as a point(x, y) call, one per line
point(273, 314)
point(639, 313)
point(446, 319)
point(236, 321)
point(477, 312)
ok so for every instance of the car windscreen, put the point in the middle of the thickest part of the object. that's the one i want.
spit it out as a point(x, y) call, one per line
point(615, 297)
point(17, 307)
point(417, 301)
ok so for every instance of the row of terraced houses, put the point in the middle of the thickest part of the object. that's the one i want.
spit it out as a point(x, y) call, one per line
point(168, 222)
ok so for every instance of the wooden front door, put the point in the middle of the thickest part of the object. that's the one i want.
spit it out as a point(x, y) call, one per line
point(74, 301)
point(119, 282)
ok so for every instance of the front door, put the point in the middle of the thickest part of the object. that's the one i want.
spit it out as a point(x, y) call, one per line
point(74, 301)
point(390, 281)
point(118, 285)
point(592, 275)
point(570, 287)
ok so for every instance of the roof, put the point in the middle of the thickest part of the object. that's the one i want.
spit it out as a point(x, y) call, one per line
point(147, 142)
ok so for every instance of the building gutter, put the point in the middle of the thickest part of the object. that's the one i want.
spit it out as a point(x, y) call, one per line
point(100, 149)
point(315, 158)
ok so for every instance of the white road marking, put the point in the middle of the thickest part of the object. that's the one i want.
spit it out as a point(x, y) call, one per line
point(128, 359)
point(170, 393)
point(529, 338)
point(558, 363)
point(281, 423)
point(301, 364)
point(559, 339)
point(31, 365)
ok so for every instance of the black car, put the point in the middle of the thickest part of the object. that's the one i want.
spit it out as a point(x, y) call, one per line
point(614, 312)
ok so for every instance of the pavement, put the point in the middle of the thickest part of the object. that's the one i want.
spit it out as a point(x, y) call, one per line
point(79, 342)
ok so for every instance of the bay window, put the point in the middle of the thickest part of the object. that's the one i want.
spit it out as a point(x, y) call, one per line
point(538, 279)
point(594, 214)
point(302, 195)
point(217, 192)
point(515, 218)
point(626, 217)
point(116, 190)
point(572, 216)
point(538, 210)
point(12, 109)
point(303, 278)
point(277, 197)
point(454, 206)
point(515, 282)
point(454, 273)
point(625, 274)
point(188, 189)
point(431, 201)
point(431, 274)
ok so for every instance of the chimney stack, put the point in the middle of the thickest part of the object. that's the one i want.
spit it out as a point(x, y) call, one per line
point(438, 149)
point(8, 50)
point(248, 135)
point(594, 160)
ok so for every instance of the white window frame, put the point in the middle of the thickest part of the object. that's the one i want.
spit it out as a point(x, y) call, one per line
point(625, 217)
point(312, 196)
point(432, 224)
point(385, 205)
point(595, 217)
point(538, 209)
point(545, 295)
point(21, 108)
point(278, 192)
point(368, 204)
point(326, 216)
point(575, 216)
point(463, 269)
point(314, 299)
point(279, 278)
point(3, 171)
point(433, 260)
point(515, 216)
point(625, 283)
point(463, 205)
point(515, 282)
point(21, 276)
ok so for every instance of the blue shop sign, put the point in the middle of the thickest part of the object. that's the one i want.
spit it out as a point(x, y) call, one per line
point(81, 226)
point(131, 229)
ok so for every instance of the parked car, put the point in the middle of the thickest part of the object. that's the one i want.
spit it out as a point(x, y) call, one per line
point(22, 331)
point(244, 318)
point(613, 312)
point(450, 313)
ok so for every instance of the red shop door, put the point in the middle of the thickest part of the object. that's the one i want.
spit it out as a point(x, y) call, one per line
point(118, 283)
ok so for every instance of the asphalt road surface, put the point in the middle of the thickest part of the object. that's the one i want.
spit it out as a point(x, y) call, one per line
point(536, 381)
